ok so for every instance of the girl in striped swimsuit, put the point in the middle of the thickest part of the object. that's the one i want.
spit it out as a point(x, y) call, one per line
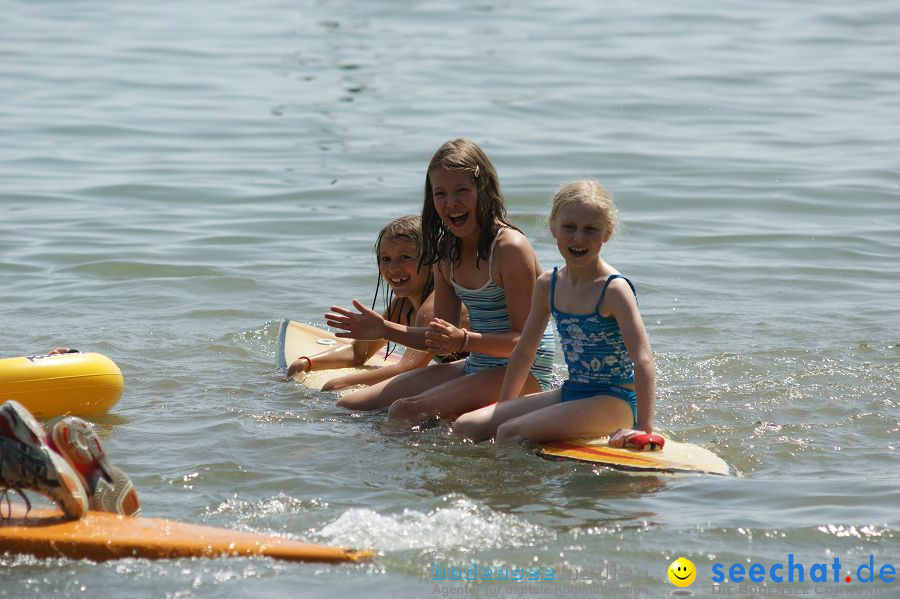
point(612, 376)
point(479, 260)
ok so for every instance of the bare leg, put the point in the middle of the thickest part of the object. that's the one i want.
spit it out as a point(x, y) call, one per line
point(482, 424)
point(406, 384)
point(456, 397)
point(593, 416)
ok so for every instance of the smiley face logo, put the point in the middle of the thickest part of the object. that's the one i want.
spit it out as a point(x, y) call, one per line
point(682, 572)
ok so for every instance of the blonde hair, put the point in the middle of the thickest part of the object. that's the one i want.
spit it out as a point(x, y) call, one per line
point(587, 192)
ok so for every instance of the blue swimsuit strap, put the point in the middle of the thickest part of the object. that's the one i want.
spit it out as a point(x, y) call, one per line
point(553, 289)
point(605, 285)
point(602, 291)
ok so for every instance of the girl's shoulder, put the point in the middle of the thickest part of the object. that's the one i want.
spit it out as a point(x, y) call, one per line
point(616, 279)
point(546, 277)
point(512, 243)
point(400, 311)
point(544, 282)
point(619, 288)
point(511, 236)
point(443, 268)
point(425, 313)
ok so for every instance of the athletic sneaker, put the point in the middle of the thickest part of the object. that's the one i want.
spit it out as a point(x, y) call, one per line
point(27, 462)
point(109, 488)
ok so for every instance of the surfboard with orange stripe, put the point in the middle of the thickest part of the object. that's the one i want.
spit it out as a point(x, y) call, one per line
point(673, 458)
point(100, 536)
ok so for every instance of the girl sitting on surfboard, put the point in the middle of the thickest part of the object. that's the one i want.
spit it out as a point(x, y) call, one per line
point(612, 376)
point(409, 299)
point(480, 261)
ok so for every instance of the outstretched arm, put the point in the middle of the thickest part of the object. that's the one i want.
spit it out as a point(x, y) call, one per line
point(410, 360)
point(364, 323)
point(343, 355)
point(523, 355)
point(623, 306)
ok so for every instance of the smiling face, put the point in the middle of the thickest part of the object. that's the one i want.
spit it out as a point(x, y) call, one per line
point(580, 232)
point(455, 199)
point(682, 572)
point(398, 263)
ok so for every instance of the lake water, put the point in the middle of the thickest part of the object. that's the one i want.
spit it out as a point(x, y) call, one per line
point(179, 176)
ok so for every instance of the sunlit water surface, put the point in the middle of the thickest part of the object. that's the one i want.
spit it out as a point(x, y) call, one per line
point(178, 177)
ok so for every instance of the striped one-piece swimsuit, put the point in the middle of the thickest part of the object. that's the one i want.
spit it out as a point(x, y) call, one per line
point(488, 313)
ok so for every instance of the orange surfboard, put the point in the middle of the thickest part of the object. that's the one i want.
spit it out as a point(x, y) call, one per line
point(100, 536)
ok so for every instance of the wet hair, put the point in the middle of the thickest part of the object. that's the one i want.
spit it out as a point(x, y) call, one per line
point(588, 192)
point(490, 212)
point(406, 228)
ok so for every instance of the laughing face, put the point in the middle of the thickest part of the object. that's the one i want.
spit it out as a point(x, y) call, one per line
point(455, 200)
point(398, 263)
point(579, 230)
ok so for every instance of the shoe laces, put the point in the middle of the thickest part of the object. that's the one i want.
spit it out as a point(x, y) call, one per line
point(6, 502)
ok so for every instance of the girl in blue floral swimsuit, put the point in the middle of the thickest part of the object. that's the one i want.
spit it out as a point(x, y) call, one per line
point(611, 389)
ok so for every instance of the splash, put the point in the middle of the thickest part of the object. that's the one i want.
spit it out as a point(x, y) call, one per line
point(461, 523)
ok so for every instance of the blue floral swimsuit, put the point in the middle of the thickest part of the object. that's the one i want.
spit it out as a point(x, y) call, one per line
point(595, 353)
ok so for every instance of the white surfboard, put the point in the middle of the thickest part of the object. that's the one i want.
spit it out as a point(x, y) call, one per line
point(673, 458)
point(297, 339)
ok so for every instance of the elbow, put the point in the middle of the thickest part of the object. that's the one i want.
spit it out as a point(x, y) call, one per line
point(359, 359)
point(416, 365)
point(515, 339)
point(645, 367)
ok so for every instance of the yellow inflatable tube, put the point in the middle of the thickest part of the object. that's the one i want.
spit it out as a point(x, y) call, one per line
point(75, 383)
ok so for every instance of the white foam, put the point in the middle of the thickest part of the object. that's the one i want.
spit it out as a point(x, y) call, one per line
point(461, 523)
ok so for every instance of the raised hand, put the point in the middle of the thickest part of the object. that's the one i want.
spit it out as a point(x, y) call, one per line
point(363, 324)
point(443, 338)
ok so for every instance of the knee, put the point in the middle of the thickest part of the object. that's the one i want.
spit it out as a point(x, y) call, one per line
point(508, 431)
point(354, 401)
point(513, 430)
point(333, 385)
point(402, 409)
point(466, 427)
